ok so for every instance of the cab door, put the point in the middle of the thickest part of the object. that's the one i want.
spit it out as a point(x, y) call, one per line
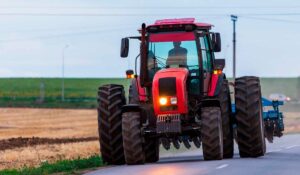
point(206, 62)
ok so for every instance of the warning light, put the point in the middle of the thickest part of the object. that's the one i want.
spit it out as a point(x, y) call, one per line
point(217, 72)
point(129, 74)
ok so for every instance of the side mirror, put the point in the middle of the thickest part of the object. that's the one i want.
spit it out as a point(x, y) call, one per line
point(129, 74)
point(124, 47)
point(216, 42)
point(219, 64)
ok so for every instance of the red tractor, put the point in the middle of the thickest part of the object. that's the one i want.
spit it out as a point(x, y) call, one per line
point(180, 96)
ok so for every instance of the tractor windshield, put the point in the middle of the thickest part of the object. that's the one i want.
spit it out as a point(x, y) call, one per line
point(172, 50)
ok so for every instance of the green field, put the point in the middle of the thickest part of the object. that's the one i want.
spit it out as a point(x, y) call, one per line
point(46, 92)
point(82, 92)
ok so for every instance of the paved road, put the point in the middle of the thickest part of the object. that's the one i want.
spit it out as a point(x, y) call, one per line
point(282, 157)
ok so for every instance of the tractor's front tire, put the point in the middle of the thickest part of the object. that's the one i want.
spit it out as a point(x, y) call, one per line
point(151, 150)
point(211, 133)
point(250, 126)
point(151, 145)
point(132, 138)
point(111, 98)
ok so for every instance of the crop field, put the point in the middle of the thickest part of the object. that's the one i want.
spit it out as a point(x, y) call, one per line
point(32, 136)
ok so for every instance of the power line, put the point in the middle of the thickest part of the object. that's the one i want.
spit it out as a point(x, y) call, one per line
point(144, 14)
point(104, 14)
point(269, 14)
point(64, 28)
point(150, 7)
point(65, 35)
point(119, 29)
point(270, 19)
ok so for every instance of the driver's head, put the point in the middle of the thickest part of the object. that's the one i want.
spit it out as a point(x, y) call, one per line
point(177, 44)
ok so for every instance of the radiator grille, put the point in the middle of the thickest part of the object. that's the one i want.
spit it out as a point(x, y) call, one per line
point(168, 123)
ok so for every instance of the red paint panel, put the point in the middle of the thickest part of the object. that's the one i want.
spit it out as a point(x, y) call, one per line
point(204, 25)
point(172, 37)
point(180, 21)
point(213, 85)
point(182, 101)
point(175, 21)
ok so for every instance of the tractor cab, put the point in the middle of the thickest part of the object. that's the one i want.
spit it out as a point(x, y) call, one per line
point(175, 50)
point(177, 62)
point(179, 43)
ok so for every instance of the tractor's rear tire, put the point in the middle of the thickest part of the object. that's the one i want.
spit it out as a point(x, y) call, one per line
point(250, 126)
point(111, 98)
point(211, 133)
point(132, 138)
point(227, 125)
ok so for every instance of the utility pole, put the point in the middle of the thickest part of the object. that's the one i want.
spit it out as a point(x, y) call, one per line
point(234, 19)
point(63, 73)
point(298, 89)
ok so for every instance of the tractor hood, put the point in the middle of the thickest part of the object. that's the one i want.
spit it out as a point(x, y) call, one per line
point(170, 92)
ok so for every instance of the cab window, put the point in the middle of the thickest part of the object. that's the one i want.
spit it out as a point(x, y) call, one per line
point(206, 55)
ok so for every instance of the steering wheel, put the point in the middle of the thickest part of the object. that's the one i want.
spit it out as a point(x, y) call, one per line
point(194, 73)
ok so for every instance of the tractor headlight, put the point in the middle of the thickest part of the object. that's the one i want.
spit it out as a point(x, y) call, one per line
point(173, 100)
point(163, 101)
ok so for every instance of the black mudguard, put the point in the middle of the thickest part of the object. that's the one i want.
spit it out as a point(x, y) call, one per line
point(221, 78)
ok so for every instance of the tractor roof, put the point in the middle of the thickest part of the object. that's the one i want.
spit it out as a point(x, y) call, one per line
point(180, 21)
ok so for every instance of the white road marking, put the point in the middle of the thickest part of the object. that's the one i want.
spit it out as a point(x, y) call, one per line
point(275, 150)
point(293, 146)
point(222, 166)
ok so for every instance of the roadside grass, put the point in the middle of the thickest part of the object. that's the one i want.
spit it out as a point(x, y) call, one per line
point(61, 167)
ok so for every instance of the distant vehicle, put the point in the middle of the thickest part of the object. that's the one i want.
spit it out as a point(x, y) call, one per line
point(279, 97)
point(181, 95)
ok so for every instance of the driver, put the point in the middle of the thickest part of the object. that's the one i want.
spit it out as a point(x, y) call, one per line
point(177, 56)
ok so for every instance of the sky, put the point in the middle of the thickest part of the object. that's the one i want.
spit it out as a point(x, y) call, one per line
point(34, 34)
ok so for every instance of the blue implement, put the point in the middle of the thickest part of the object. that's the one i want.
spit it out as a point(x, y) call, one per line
point(273, 118)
